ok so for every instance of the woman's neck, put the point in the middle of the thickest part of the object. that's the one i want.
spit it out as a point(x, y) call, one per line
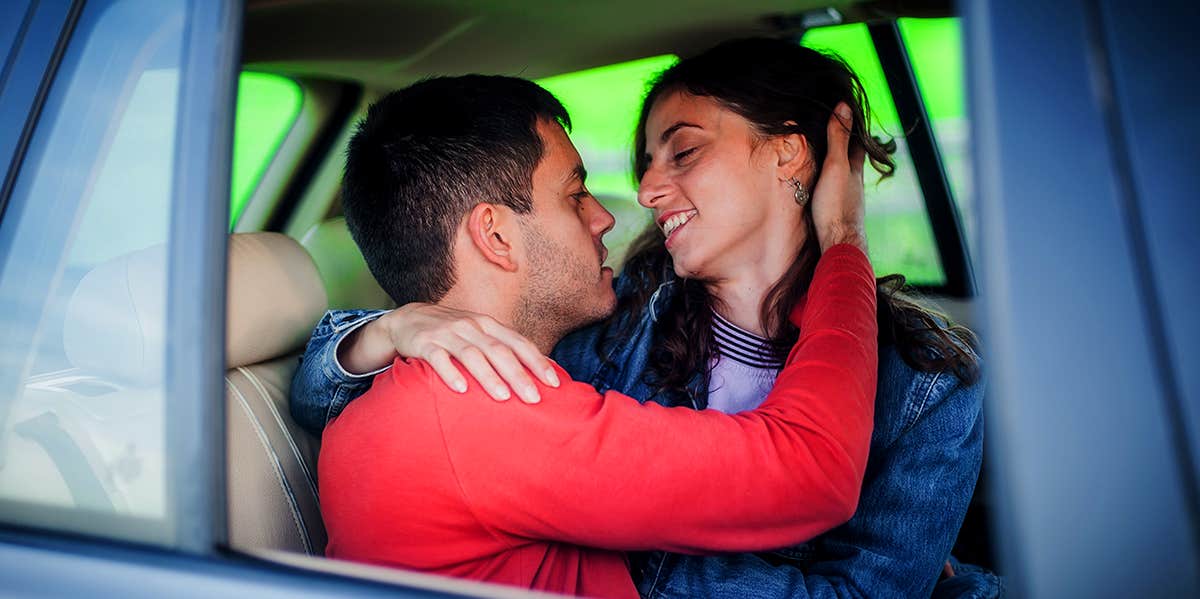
point(739, 295)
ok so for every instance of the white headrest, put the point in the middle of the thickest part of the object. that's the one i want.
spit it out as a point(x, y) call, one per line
point(114, 320)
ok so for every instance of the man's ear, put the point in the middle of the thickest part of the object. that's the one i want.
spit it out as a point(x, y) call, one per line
point(492, 229)
point(794, 157)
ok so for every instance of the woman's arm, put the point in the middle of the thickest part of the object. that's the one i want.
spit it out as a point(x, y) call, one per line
point(321, 387)
point(349, 347)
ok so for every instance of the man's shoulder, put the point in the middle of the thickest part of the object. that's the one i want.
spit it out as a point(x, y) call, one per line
point(399, 398)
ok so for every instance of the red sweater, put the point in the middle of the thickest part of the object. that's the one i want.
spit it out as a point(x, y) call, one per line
point(413, 475)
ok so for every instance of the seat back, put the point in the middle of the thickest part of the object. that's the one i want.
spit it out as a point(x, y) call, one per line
point(275, 297)
point(271, 468)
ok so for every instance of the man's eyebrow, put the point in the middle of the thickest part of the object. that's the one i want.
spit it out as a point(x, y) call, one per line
point(579, 172)
point(673, 128)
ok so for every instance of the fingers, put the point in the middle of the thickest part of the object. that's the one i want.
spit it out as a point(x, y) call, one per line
point(838, 132)
point(525, 350)
point(498, 364)
point(480, 368)
point(510, 369)
point(446, 370)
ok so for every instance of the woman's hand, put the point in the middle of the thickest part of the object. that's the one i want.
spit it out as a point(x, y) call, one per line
point(838, 205)
point(494, 354)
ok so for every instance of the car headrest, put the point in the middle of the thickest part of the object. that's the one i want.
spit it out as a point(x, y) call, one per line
point(114, 319)
point(275, 297)
point(348, 281)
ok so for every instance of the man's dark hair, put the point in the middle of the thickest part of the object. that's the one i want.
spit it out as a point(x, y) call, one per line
point(423, 157)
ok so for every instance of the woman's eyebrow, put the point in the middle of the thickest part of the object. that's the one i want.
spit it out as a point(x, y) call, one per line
point(676, 127)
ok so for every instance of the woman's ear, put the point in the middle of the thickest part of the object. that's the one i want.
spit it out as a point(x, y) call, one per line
point(492, 230)
point(794, 156)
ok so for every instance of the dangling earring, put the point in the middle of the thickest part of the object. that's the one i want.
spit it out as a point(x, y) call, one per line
point(802, 195)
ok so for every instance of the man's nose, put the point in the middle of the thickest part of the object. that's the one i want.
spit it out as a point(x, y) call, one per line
point(602, 220)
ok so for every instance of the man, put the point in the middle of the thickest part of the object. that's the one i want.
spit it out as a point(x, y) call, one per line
point(467, 192)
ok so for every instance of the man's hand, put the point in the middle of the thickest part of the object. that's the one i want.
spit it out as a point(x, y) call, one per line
point(838, 205)
point(494, 354)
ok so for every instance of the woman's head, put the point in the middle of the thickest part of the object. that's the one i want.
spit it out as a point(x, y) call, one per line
point(724, 135)
point(771, 101)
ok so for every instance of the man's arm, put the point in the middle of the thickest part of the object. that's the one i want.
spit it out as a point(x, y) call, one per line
point(606, 471)
point(916, 496)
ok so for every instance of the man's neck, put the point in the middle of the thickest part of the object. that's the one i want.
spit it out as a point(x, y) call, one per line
point(501, 306)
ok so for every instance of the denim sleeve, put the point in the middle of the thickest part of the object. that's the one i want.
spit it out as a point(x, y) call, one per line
point(907, 520)
point(321, 388)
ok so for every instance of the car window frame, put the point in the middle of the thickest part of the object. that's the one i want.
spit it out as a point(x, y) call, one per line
point(328, 108)
point(945, 219)
point(196, 257)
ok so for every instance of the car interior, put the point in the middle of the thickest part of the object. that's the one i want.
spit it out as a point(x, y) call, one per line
point(291, 257)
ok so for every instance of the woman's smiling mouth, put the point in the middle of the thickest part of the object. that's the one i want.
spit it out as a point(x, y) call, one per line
point(673, 221)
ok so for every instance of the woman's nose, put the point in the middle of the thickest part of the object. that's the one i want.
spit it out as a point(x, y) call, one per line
point(652, 188)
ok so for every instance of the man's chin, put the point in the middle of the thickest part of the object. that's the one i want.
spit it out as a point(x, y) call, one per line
point(604, 307)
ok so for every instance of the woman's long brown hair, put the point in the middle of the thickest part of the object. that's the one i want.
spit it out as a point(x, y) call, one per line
point(781, 88)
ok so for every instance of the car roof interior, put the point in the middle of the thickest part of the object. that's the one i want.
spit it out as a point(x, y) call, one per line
point(397, 43)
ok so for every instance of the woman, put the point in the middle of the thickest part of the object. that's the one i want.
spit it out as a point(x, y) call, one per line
point(728, 149)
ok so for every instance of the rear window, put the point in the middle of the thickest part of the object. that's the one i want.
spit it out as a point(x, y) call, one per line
point(267, 107)
point(898, 229)
point(935, 50)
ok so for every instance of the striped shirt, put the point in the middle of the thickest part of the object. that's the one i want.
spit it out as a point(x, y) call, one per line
point(744, 367)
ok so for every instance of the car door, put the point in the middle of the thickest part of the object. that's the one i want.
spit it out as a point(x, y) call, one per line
point(114, 211)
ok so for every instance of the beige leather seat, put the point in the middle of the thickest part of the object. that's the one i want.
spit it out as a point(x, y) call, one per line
point(348, 281)
point(89, 436)
point(275, 297)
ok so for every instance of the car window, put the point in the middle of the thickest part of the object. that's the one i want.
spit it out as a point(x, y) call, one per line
point(267, 107)
point(82, 283)
point(935, 50)
point(898, 230)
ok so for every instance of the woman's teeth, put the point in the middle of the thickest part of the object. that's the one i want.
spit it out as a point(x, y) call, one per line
point(677, 221)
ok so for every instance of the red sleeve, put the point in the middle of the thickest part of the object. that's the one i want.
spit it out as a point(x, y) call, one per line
point(605, 471)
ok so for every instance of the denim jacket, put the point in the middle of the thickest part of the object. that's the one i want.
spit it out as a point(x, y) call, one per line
point(924, 460)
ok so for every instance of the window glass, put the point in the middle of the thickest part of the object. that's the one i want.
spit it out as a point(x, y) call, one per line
point(604, 104)
point(898, 229)
point(12, 13)
point(935, 50)
point(267, 106)
point(82, 283)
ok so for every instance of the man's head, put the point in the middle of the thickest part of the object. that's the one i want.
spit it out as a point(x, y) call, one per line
point(467, 188)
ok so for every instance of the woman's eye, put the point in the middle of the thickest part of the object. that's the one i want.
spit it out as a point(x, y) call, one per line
point(580, 196)
point(684, 154)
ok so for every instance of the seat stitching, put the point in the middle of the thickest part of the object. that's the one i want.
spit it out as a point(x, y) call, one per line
point(254, 380)
point(279, 474)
